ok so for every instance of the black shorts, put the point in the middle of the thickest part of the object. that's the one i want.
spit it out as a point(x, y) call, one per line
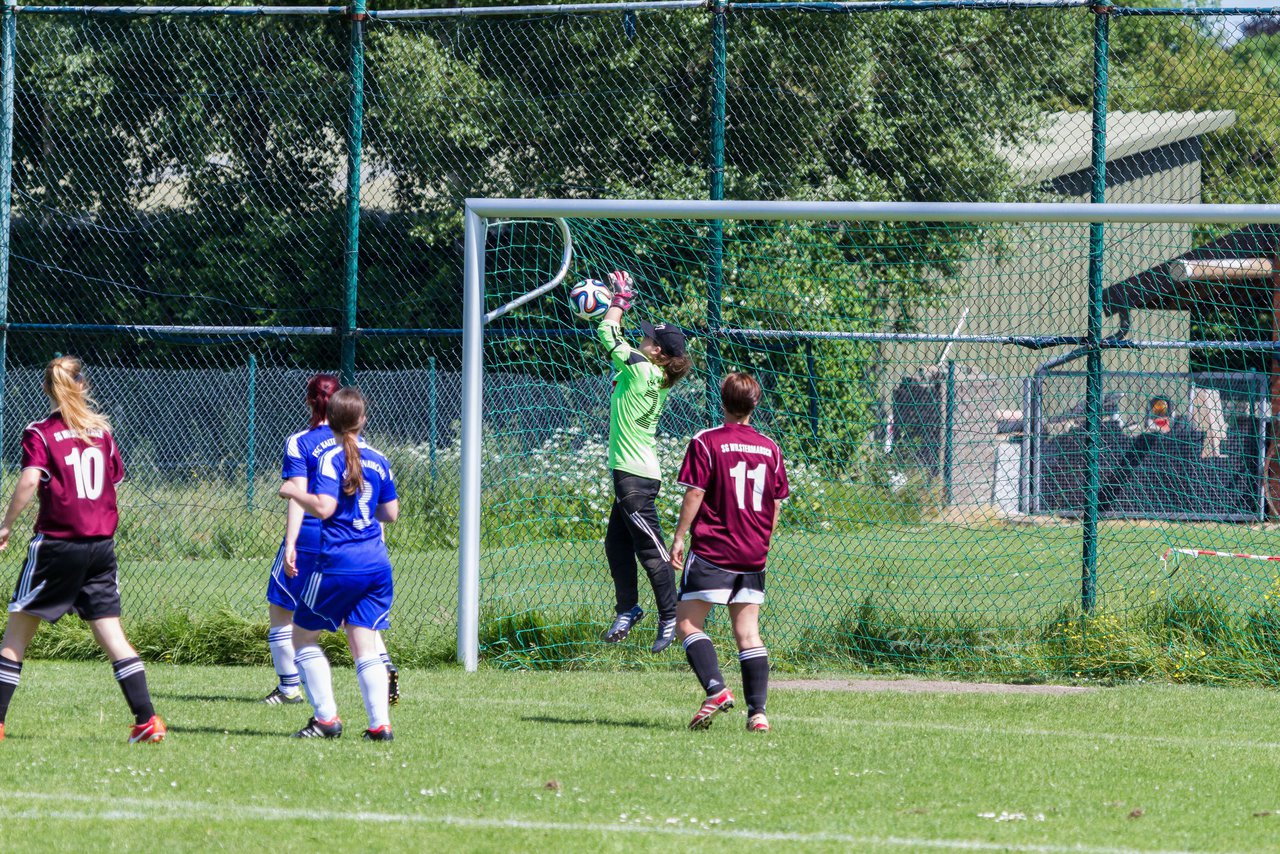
point(64, 575)
point(710, 583)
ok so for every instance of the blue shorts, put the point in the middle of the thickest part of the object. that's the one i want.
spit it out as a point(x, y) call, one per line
point(283, 591)
point(326, 601)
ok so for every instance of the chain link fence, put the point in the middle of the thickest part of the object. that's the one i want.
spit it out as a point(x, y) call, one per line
point(210, 205)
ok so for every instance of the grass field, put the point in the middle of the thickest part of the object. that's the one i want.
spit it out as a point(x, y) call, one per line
point(588, 762)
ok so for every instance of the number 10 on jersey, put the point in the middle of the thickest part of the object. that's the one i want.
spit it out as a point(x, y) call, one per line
point(90, 470)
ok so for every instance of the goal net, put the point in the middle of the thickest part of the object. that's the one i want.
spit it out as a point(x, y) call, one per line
point(991, 415)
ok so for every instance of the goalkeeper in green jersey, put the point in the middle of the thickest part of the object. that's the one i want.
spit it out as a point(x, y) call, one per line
point(645, 376)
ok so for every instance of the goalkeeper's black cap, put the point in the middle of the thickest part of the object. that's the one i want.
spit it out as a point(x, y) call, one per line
point(666, 335)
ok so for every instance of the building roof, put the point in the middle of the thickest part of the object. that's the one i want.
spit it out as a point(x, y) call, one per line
point(1062, 146)
point(1156, 288)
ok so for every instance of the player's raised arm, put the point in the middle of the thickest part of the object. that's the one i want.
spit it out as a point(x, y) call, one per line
point(621, 353)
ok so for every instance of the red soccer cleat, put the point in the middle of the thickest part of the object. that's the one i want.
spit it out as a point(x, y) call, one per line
point(758, 723)
point(382, 733)
point(712, 706)
point(1, 732)
point(148, 733)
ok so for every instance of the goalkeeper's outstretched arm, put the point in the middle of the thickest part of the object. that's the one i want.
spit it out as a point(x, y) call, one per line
point(620, 351)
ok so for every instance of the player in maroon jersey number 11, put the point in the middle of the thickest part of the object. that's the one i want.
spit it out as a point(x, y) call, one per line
point(735, 482)
point(71, 463)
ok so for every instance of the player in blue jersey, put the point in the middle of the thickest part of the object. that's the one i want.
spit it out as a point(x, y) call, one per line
point(349, 584)
point(302, 452)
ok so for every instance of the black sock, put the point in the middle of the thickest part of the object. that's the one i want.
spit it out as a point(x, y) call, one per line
point(9, 673)
point(755, 678)
point(701, 653)
point(132, 677)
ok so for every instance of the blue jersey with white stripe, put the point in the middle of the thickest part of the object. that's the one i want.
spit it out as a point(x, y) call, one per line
point(302, 452)
point(351, 539)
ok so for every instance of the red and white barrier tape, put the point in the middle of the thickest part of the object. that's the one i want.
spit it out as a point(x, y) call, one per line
point(1210, 553)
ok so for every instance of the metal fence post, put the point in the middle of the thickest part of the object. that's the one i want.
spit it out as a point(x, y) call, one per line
point(811, 372)
point(355, 142)
point(252, 442)
point(8, 57)
point(1093, 387)
point(433, 427)
point(715, 277)
point(1024, 464)
point(948, 431)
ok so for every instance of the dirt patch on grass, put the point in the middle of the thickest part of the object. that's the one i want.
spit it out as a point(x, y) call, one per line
point(922, 686)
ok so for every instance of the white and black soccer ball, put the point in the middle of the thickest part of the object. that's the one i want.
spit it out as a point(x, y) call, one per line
point(590, 298)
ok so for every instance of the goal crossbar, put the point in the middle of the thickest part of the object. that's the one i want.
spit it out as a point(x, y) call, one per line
point(874, 211)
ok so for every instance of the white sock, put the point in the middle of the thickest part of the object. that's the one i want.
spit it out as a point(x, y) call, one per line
point(317, 680)
point(280, 641)
point(372, 674)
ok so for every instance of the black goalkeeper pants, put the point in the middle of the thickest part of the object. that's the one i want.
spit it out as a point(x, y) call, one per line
point(635, 533)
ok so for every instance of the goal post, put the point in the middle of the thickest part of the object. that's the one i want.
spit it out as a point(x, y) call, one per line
point(966, 253)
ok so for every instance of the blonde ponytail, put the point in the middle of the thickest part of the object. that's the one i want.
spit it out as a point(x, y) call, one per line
point(346, 419)
point(67, 388)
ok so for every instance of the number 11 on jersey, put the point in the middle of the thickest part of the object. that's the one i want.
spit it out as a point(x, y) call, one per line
point(741, 475)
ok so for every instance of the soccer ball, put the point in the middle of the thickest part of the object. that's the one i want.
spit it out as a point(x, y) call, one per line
point(589, 298)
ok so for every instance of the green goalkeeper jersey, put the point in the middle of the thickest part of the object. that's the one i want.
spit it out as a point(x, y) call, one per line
point(634, 407)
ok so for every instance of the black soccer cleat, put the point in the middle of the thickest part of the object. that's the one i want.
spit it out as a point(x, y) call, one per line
point(280, 698)
point(666, 635)
point(623, 624)
point(317, 728)
point(382, 733)
point(393, 685)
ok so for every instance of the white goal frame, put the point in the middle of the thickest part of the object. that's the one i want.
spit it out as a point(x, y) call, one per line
point(479, 212)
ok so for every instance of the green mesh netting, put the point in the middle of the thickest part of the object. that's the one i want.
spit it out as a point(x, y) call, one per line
point(188, 172)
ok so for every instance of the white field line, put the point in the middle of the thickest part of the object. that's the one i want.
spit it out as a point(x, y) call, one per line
point(931, 726)
point(148, 809)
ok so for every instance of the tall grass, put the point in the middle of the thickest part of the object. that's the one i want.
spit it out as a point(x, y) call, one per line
point(1186, 638)
point(221, 636)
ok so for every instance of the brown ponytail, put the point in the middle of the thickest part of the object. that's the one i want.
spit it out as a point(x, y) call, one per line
point(346, 419)
point(67, 388)
point(674, 368)
point(319, 389)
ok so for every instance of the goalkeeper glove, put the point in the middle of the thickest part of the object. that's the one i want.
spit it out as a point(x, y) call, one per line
point(622, 286)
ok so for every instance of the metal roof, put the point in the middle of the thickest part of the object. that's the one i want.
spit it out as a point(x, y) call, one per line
point(1062, 146)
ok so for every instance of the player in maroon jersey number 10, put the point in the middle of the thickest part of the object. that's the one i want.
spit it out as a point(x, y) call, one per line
point(71, 463)
point(735, 483)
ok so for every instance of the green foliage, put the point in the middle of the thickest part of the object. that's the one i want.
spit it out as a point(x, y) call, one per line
point(1167, 63)
point(221, 636)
